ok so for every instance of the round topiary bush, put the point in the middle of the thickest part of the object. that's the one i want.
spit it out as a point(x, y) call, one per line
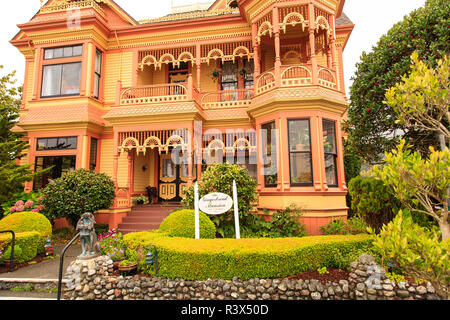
point(181, 223)
point(78, 192)
point(26, 221)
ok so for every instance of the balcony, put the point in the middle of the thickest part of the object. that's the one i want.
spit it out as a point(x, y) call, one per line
point(287, 76)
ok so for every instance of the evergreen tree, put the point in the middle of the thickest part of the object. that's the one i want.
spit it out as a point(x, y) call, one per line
point(12, 147)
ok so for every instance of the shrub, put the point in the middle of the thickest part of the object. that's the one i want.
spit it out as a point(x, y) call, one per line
point(219, 178)
point(200, 259)
point(181, 223)
point(354, 225)
point(373, 201)
point(284, 223)
point(78, 192)
point(23, 201)
point(417, 251)
point(28, 221)
point(28, 242)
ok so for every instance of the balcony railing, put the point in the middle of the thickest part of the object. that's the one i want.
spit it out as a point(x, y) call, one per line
point(286, 76)
point(154, 94)
point(295, 76)
point(227, 99)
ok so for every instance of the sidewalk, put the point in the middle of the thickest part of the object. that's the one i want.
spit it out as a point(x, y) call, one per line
point(48, 269)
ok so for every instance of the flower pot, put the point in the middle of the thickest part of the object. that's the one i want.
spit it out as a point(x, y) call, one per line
point(116, 264)
point(128, 269)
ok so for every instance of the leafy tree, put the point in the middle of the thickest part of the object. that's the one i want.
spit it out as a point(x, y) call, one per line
point(372, 126)
point(422, 99)
point(12, 176)
point(219, 178)
point(420, 184)
point(78, 192)
point(416, 250)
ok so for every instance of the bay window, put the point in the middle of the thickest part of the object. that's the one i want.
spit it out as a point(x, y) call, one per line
point(300, 160)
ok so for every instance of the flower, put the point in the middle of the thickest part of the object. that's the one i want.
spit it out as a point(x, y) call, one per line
point(20, 208)
point(19, 203)
point(29, 204)
point(12, 209)
point(35, 210)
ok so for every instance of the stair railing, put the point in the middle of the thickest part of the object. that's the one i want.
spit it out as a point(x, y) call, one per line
point(61, 262)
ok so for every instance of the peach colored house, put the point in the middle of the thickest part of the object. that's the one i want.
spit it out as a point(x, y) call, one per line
point(257, 82)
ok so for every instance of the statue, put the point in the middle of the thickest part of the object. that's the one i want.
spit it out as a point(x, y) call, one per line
point(89, 245)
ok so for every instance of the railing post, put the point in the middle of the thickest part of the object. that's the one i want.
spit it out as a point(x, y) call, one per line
point(61, 263)
point(312, 45)
point(190, 87)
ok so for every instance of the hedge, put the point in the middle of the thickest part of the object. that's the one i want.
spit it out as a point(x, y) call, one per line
point(201, 259)
point(29, 242)
point(26, 221)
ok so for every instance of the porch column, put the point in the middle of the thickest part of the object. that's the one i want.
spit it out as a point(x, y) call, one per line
point(333, 43)
point(256, 61)
point(276, 33)
point(198, 64)
point(130, 170)
point(115, 158)
point(191, 156)
point(260, 158)
point(312, 45)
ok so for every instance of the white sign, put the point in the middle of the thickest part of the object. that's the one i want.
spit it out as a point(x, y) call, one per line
point(215, 203)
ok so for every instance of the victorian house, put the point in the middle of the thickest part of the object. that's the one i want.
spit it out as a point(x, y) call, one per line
point(153, 103)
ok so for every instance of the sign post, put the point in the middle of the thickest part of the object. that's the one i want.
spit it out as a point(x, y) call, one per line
point(236, 213)
point(197, 219)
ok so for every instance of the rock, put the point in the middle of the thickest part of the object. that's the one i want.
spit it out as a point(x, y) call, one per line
point(388, 287)
point(360, 286)
point(304, 293)
point(403, 293)
point(282, 286)
point(421, 290)
point(315, 295)
point(371, 291)
point(366, 259)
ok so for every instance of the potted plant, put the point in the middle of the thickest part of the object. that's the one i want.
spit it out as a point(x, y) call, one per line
point(140, 199)
point(127, 267)
point(215, 74)
point(152, 193)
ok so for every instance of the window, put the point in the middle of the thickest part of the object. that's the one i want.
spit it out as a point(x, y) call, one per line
point(329, 148)
point(63, 52)
point(97, 73)
point(61, 165)
point(300, 152)
point(229, 79)
point(61, 79)
point(61, 143)
point(269, 143)
point(93, 154)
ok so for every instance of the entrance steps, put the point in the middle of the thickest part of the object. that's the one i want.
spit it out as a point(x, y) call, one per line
point(146, 217)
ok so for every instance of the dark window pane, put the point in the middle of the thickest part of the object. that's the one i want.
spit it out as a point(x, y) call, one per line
point(93, 154)
point(61, 143)
point(71, 78)
point(72, 143)
point(51, 80)
point(299, 139)
point(96, 85)
point(301, 168)
point(61, 165)
point(51, 144)
point(330, 169)
point(329, 136)
point(269, 154)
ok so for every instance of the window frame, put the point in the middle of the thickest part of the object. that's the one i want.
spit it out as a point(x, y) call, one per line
point(99, 74)
point(300, 184)
point(273, 152)
point(57, 139)
point(61, 61)
point(335, 155)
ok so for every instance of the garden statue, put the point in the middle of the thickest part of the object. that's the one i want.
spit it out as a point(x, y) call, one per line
point(89, 245)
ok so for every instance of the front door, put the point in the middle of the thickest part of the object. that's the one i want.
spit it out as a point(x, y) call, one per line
point(173, 179)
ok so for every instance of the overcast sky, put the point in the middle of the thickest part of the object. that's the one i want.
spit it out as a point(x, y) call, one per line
point(372, 19)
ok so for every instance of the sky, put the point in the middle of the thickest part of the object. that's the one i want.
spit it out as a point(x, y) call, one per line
point(372, 19)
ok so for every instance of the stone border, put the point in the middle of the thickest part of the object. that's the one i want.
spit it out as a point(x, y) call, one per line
point(92, 280)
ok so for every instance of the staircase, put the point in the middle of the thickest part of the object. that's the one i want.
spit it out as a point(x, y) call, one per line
point(146, 217)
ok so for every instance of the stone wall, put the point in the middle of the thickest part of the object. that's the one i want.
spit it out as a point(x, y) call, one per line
point(89, 280)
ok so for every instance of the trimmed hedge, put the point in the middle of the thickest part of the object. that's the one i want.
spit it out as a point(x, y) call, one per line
point(28, 221)
point(29, 242)
point(201, 259)
point(181, 223)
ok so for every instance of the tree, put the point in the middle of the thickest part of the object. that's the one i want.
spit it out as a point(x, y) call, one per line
point(416, 250)
point(219, 178)
point(420, 184)
point(422, 99)
point(78, 192)
point(371, 127)
point(12, 176)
